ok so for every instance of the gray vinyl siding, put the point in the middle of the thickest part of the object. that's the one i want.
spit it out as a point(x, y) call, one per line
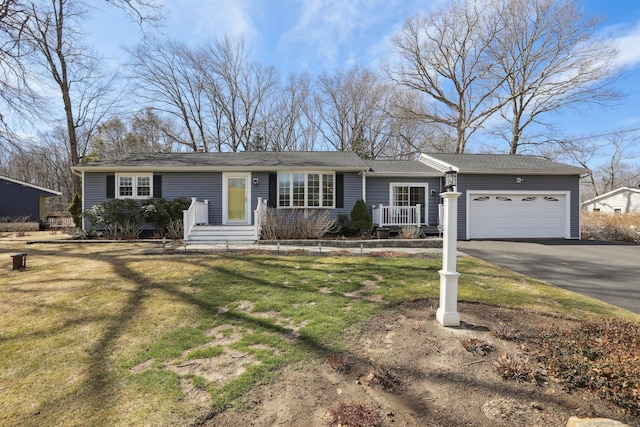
point(94, 191)
point(352, 193)
point(202, 185)
point(549, 183)
point(378, 193)
point(208, 186)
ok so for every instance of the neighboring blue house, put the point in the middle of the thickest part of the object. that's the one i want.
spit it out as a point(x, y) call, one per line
point(502, 195)
point(20, 199)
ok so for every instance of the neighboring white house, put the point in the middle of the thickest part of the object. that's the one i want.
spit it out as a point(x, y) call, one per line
point(621, 200)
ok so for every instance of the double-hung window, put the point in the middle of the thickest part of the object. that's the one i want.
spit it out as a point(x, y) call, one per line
point(306, 190)
point(134, 186)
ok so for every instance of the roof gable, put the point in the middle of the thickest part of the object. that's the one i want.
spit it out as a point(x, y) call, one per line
point(498, 164)
point(611, 194)
point(26, 184)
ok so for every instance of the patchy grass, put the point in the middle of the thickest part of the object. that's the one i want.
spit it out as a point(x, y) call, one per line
point(96, 334)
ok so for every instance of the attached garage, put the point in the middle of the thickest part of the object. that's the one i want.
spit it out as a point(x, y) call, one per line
point(506, 196)
point(498, 214)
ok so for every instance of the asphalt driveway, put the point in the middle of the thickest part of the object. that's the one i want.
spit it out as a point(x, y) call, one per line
point(607, 271)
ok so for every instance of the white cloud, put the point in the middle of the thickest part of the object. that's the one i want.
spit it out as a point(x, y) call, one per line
point(211, 19)
point(628, 45)
point(339, 32)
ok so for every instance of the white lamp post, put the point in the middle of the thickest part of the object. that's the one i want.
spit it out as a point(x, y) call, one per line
point(447, 313)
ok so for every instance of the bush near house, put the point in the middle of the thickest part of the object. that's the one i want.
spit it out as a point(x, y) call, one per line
point(286, 225)
point(361, 220)
point(123, 218)
point(611, 227)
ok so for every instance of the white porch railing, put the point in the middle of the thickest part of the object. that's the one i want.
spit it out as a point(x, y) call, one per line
point(259, 215)
point(384, 216)
point(198, 213)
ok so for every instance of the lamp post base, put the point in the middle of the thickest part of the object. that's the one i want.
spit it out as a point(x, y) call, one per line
point(447, 314)
point(448, 319)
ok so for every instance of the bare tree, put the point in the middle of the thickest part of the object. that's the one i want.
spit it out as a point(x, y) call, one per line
point(610, 159)
point(53, 33)
point(547, 51)
point(286, 126)
point(145, 132)
point(444, 55)
point(171, 84)
point(353, 107)
point(238, 90)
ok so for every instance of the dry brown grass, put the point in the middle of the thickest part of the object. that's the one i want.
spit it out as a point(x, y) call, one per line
point(75, 315)
point(611, 227)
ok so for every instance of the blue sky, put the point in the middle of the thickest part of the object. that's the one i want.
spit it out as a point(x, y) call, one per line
point(326, 35)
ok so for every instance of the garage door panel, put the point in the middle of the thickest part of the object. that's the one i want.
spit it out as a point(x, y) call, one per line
point(516, 215)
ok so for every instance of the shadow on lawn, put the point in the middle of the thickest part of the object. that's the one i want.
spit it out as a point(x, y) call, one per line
point(101, 385)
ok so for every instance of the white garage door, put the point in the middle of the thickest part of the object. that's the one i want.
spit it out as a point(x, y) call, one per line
point(516, 215)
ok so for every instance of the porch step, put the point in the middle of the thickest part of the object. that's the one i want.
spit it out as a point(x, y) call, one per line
point(222, 233)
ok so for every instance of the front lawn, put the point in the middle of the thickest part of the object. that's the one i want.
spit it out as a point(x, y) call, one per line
point(108, 334)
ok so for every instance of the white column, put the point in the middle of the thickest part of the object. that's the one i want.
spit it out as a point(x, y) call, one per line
point(447, 313)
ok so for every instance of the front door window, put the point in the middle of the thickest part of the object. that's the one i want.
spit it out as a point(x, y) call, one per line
point(236, 198)
point(236, 188)
point(410, 195)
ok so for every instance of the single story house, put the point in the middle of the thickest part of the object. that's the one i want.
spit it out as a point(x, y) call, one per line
point(503, 196)
point(621, 200)
point(23, 200)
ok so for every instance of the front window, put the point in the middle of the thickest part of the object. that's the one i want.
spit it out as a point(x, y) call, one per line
point(134, 186)
point(305, 190)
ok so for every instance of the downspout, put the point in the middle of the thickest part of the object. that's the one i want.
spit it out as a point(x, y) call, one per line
point(363, 173)
point(580, 178)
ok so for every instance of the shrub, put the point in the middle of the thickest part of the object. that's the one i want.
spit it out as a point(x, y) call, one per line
point(343, 225)
point(410, 232)
point(296, 224)
point(75, 209)
point(115, 211)
point(353, 415)
point(600, 356)
point(515, 368)
point(361, 220)
point(161, 212)
point(611, 227)
point(477, 346)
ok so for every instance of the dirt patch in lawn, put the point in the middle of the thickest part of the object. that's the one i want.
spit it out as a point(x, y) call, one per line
point(411, 371)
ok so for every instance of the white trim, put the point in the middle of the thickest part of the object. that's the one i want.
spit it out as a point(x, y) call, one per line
point(26, 184)
point(566, 194)
point(438, 165)
point(134, 183)
point(425, 218)
point(609, 194)
point(225, 197)
point(306, 189)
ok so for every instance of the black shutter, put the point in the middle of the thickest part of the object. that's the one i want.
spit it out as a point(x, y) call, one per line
point(339, 190)
point(272, 202)
point(157, 186)
point(111, 186)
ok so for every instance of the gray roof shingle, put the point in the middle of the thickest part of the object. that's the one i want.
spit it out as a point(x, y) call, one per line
point(497, 163)
point(263, 160)
point(400, 167)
